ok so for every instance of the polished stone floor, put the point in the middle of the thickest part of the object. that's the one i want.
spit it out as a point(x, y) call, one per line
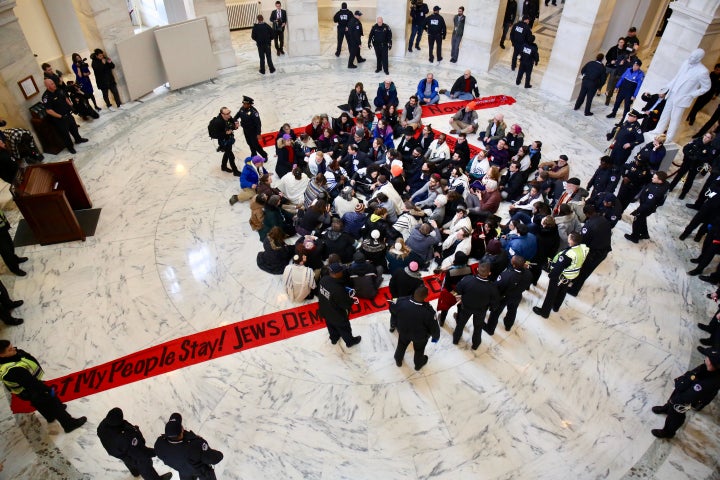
point(564, 398)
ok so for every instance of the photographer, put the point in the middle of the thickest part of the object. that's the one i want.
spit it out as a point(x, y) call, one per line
point(80, 104)
point(82, 78)
point(54, 75)
point(695, 155)
point(221, 128)
point(103, 67)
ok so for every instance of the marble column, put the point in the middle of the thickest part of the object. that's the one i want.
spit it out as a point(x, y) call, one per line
point(480, 47)
point(303, 30)
point(104, 24)
point(215, 12)
point(394, 14)
point(16, 63)
point(580, 33)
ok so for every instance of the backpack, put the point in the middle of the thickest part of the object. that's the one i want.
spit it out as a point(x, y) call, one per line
point(211, 130)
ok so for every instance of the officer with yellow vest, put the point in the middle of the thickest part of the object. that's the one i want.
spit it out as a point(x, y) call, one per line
point(22, 375)
point(564, 268)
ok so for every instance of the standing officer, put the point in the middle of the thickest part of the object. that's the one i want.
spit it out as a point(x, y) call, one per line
point(531, 9)
point(693, 390)
point(59, 109)
point(7, 248)
point(381, 38)
point(221, 128)
point(635, 176)
point(478, 294)
point(125, 441)
point(334, 306)
point(510, 13)
point(565, 267)
point(278, 17)
point(594, 77)
point(415, 323)
point(528, 57)
point(627, 136)
point(6, 307)
point(519, 36)
point(627, 88)
point(342, 17)
point(251, 126)
point(418, 13)
point(607, 205)
point(263, 35)
point(22, 375)
point(651, 197)
point(695, 154)
point(511, 284)
point(186, 452)
point(596, 234)
point(435, 26)
point(458, 30)
point(354, 39)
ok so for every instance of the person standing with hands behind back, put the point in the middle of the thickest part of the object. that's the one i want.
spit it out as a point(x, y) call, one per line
point(415, 323)
point(278, 17)
point(263, 35)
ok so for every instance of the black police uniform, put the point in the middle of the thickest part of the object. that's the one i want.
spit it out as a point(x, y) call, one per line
point(594, 77)
point(125, 441)
point(695, 389)
point(65, 126)
point(218, 129)
point(190, 456)
point(354, 39)
point(635, 176)
point(651, 197)
point(381, 38)
point(519, 36)
point(478, 294)
point(603, 180)
point(528, 58)
point(612, 212)
point(418, 13)
point(706, 215)
point(7, 247)
point(435, 26)
point(508, 19)
point(251, 127)
point(415, 323)
point(531, 9)
point(263, 35)
point(334, 305)
point(511, 284)
point(596, 234)
point(342, 17)
point(695, 154)
point(629, 132)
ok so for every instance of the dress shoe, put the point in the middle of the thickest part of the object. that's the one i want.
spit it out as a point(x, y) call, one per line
point(502, 46)
point(16, 304)
point(698, 238)
point(538, 311)
point(431, 59)
point(660, 433)
point(607, 100)
point(708, 278)
point(237, 173)
point(392, 329)
point(272, 70)
point(610, 115)
point(334, 342)
point(692, 206)
point(13, 321)
point(262, 72)
point(706, 341)
point(704, 327)
point(22, 259)
point(694, 260)
point(475, 347)
point(377, 70)
point(166, 476)
point(98, 108)
point(355, 341)
point(361, 60)
point(632, 238)
point(409, 49)
point(352, 66)
point(694, 272)
point(704, 351)
point(439, 59)
point(398, 362)
point(19, 272)
point(72, 150)
point(75, 424)
point(659, 409)
point(528, 86)
point(643, 237)
point(82, 140)
point(589, 114)
point(420, 365)
point(681, 196)
point(387, 72)
point(225, 169)
point(417, 47)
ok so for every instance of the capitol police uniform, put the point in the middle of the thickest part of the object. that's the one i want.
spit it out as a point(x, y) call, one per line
point(519, 36)
point(381, 38)
point(528, 57)
point(354, 39)
point(607, 205)
point(651, 197)
point(251, 126)
point(629, 132)
point(341, 17)
point(564, 268)
point(596, 234)
point(511, 284)
point(186, 452)
point(65, 126)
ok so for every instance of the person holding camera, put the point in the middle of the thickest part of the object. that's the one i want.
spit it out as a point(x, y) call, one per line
point(103, 67)
point(82, 78)
point(221, 128)
point(418, 13)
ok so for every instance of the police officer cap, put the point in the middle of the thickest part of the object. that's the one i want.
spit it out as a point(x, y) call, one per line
point(114, 417)
point(638, 62)
point(335, 268)
point(635, 113)
point(609, 198)
point(358, 13)
point(714, 355)
point(247, 99)
point(436, 8)
point(574, 181)
point(173, 427)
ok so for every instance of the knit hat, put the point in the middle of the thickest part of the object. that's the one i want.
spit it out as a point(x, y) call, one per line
point(173, 427)
point(441, 200)
point(493, 247)
point(360, 207)
point(114, 417)
point(257, 159)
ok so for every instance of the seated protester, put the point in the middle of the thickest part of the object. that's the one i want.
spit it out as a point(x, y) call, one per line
point(397, 172)
point(373, 247)
point(548, 244)
point(540, 211)
point(257, 213)
point(515, 139)
point(458, 181)
point(425, 196)
point(605, 178)
point(523, 158)
point(397, 257)
point(276, 253)
point(407, 144)
point(361, 138)
point(486, 202)
point(366, 278)
point(327, 141)
point(454, 200)
point(336, 178)
point(264, 186)
point(464, 88)
point(358, 99)
point(311, 248)
point(403, 282)
point(378, 152)
point(386, 95)
point(411, 115)
point(496, 257)
point(462, 149)
point(315, 189)
point(422, 241)
point(392, 118)
point(288, 156)
point(342, 126)
point(383, 131)
point(315, 128)
point(345, 202)
point(315, 218)
point(512, 183)
point(384, 186)
point(567, 222)
point(458, 222)
point(427, 136)
point(519, 241)
point(499, 154)
point(355, 221)
point(464, 121)
point(377, 220)
point(250, 176)
point(286, 129)
point(654, 152)
point(493, 173)
point(494, 131)
point(535, 154)
point(438, 212)
point(384, 202)
point(299, 280)
point(558, 169)
point(337, 241)
point(438, 151)
point(355, 159)
point(274, 216)
point(571, 193)
point(368, 120)
point(479, 166)
point(293, 186)
point(458, 243)
point(428, 90)
point(408, 220)
point(522, 209)
point(482, 233)
point(9, 167)
point(306, 146)
point(607, 205)
point(317, 163)
point(364, 180)
point(451, 276)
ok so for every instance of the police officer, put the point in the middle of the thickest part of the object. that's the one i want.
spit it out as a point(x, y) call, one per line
point(528, 57)
point(415, 323)
point(651, 197)
point(693, 390)
point(508, 19)
point(6, 307)
point(594, 77)
point(478, 294)
point(435, 26)
point(342, 17)
point(22, 375)
point(605, 178)
point(511, 284)
point(627, 136)
point(221, 128)
point(695, 154)
point(354, 39)
point(607, 205)
point(334, 306)
point(596, 234)
point(263, 35)
point(59, 110)
point(635, 176)
point(564, 268)
point(519, 36)
point(418, 12)
point(628, 87)
point(125, 441)
point(251, 126)
point(7, 248)
point(186, 452)
point(381, 38)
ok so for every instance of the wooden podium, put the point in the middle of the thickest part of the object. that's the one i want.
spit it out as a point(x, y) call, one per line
point(47, 197)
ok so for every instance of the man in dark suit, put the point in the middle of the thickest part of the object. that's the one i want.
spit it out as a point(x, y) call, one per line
point(278, 18)
point(593, 78)
point(654, 105)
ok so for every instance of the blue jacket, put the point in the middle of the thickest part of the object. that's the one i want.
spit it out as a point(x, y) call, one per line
point(631, 76)
point(525, 245)
point(421, 88)
point(249, 175)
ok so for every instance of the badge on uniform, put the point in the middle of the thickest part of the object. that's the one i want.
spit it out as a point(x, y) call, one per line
point(584, 230)
point(205, 447)
point(650, 196)
point(134, 442)
point(697, 387)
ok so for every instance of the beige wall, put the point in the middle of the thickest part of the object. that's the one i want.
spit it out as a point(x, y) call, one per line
point(39, 33)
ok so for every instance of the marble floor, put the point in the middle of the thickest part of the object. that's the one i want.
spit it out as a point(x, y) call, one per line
point(564, 398)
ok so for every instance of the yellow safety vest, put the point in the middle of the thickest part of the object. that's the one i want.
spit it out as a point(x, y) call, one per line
point(577, 254)
point(25, 363)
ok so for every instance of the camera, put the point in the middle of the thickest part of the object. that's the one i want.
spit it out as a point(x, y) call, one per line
point(413, 2)
point(3, 123)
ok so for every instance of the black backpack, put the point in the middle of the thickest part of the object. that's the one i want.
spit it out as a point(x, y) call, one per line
point(211, 130)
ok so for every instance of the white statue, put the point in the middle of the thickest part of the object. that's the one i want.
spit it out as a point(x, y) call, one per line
point(691, 81)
